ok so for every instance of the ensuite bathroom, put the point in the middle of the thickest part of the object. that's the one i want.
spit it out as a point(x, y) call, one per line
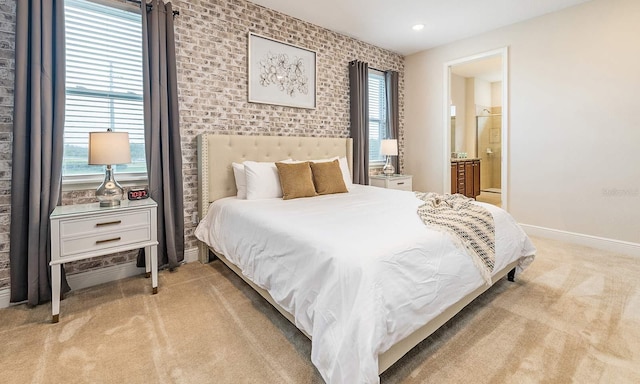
point(476, 133)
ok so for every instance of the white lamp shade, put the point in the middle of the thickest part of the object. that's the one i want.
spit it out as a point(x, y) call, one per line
point(389, 147)
point(107, 148)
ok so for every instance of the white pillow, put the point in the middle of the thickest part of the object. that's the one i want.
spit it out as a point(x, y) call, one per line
point(241, 180)
point(346, 175)
point(263, 181)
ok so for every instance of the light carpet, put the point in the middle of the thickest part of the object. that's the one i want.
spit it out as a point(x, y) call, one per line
point(573, 316)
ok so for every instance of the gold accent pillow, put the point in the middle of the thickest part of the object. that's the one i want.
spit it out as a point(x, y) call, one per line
point(296, 180)
point(327, 177)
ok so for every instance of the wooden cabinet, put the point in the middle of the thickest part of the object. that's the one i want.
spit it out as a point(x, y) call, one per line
point(468, 179)
point(476, 178)
point(465, 177)
point(454, 177)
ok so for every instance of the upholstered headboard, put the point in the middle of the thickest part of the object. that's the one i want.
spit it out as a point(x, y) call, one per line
point(217, 152)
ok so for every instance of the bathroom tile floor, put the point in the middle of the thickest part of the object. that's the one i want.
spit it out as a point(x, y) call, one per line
point(491, 198)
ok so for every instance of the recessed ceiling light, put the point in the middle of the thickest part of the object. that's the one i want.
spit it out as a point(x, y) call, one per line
point(418, 27)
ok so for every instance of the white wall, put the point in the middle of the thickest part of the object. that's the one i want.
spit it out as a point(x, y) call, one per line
point(574, 117)
point(496, 94)
point(482, 93)
point(470, 121)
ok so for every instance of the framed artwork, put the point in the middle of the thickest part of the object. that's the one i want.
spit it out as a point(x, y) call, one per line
point(281, 73)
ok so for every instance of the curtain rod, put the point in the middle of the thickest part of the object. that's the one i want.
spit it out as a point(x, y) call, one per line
point(175, 13)
point(370, 67)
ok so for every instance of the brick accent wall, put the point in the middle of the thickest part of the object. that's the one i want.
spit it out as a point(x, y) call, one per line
point(7, 66)
point(212, 83)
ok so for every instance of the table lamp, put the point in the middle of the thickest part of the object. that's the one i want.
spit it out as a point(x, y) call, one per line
point(108, 148)
point(389, 148)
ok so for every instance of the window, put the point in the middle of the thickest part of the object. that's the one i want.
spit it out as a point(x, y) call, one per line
point(103, 86)
point(377, 116)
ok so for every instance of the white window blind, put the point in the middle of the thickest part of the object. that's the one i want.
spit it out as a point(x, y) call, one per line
point(377, 115)
point(103, 84)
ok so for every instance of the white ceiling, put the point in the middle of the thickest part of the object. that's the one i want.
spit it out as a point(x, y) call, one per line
point(387, 23)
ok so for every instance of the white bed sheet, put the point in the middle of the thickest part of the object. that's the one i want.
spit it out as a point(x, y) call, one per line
point(359, 271)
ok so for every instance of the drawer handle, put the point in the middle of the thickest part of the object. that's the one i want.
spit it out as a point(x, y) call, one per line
point(107, 240)
point(108, 223)
point(401, 183)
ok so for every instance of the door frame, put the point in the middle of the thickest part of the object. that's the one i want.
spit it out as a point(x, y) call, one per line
point(504, 179)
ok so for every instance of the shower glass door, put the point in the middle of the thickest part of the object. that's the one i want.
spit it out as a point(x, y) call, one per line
point(489, 149)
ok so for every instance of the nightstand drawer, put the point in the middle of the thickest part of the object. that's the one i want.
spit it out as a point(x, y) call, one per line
point(104, 223)
point(401, 182)
point(71, 246)
point(404, 184)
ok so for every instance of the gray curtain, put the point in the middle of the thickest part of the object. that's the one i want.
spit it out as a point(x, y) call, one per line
point(359, 98)
point(393, 114)
point(38, 126)
point(162, 131)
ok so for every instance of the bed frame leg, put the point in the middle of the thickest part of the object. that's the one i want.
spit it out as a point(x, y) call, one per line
point(511, 275)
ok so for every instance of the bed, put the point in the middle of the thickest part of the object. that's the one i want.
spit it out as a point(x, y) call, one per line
point(360, 328)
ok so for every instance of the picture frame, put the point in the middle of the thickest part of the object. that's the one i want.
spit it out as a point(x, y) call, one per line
point(280, 73)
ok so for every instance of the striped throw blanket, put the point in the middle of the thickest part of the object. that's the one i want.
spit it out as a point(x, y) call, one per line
point(470, 225)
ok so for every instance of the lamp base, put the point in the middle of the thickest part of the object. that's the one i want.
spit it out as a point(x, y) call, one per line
point(110, 203)
point(388, 168)
point(109, 193)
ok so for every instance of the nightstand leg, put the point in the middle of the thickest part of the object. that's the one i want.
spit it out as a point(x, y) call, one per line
point(147, 261)
point(55, 293)
point(153, 251)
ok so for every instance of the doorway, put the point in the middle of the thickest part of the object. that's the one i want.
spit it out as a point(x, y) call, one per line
point(476, 121)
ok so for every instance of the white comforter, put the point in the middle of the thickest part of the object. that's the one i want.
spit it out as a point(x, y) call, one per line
point(359, 270)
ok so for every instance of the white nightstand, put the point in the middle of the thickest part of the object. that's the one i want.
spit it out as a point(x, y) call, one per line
point(87, 230)
point(401, 182)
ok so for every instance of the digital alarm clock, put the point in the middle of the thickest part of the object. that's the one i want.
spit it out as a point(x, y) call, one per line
point(138, 194)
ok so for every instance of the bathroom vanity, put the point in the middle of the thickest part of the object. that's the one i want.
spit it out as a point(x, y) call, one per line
point(465, 176)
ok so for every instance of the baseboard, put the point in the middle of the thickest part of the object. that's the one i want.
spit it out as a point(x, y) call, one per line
point(5, 296)
point(612, 245)
point(191, 255)
point(103, 275)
